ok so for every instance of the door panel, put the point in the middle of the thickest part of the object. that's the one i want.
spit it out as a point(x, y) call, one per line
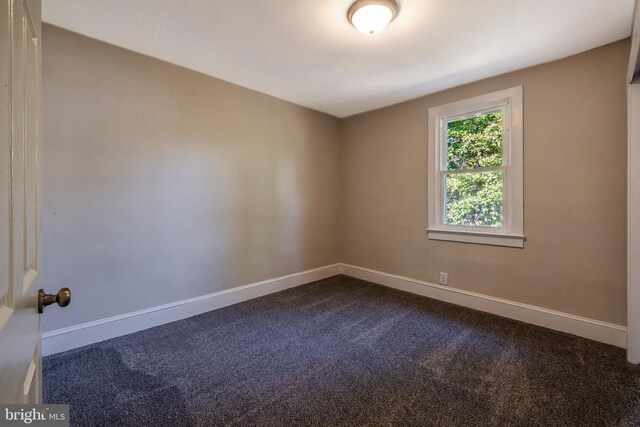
point(20, 361)
point(5, 168)
point(31, 392)
point(31, 144)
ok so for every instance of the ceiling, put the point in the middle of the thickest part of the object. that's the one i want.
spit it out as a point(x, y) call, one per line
point(306, 52)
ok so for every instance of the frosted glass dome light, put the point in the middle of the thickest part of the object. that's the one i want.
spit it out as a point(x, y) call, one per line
point(372, 16)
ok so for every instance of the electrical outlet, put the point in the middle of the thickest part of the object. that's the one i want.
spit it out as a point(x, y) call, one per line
point(444, 278)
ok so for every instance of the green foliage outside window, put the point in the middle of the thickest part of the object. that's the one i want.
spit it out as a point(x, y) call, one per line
point(474, 197)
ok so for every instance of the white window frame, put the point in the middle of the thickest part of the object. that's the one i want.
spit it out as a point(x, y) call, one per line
point(509, 102)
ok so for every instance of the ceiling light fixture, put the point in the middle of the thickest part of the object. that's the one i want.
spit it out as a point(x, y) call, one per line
point(372, 16)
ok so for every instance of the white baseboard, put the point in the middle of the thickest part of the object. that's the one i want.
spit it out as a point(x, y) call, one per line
point(104, 329)
point(608, 333)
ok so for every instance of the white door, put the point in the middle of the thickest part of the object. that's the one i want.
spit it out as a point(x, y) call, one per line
point(20, 370)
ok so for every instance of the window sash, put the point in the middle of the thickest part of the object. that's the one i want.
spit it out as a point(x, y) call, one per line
point(504, 108)
point(443, 199)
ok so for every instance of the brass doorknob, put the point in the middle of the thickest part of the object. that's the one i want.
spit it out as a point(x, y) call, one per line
point(63, 298)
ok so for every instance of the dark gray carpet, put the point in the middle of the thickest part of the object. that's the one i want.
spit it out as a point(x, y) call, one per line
point(345, 352)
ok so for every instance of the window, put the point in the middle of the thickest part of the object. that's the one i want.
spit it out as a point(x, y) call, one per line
point(475, 170)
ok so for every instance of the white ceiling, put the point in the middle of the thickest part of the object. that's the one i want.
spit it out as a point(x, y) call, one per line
point(305, 51)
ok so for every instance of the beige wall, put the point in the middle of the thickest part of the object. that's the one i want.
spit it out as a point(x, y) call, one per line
point(161, 184)
point(574, 259)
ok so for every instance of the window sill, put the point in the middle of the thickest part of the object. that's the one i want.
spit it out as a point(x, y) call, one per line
point(494, 239)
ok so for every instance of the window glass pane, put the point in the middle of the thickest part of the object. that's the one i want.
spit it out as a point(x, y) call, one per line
point(474, 198)
point(475, 142)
